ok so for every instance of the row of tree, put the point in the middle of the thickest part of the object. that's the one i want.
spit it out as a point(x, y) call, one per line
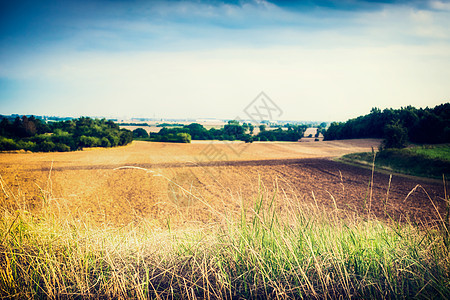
point(231, 131)
point(397, 126)
point(36, 135)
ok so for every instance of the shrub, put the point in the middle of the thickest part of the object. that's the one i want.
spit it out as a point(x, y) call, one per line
point(45, 146)
point(61, 147)
point(125, 137)
point(89, 141)
point(140, 133)
point(105, 142)
point(114, 140)
point(7, 144)
point(26, 145)
point(183, 137)
point(395, 136)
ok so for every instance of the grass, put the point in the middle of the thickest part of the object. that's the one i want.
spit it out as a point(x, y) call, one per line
point(263, 250)
point(425, 161)
point(441, 152)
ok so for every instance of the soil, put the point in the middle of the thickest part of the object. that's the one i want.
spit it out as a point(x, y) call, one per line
point(183, 183)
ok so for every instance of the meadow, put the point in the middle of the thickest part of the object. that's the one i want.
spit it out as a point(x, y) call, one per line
point(219, 221)
point(431, 161)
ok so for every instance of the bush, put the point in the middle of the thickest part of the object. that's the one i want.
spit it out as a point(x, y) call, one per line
point(173, 138)
point(140, 133)
point(7, 144)
point(247, 138)
point(395, 136)
point(183, 137)
point(45, 146)
point(89, 141)
point(26, 145)
point(125, 137)
point(113, 140)
point(61, 147)
point(105, 142)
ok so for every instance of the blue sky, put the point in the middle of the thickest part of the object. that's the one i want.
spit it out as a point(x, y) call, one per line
point(318, 60)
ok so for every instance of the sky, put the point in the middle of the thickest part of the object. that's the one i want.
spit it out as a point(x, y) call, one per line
point(317, 60)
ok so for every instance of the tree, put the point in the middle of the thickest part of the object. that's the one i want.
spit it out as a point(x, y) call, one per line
point(140, 133)
point(5, 127)
point(7, 144)
point(262, 127)
point(45, 146)
point(183, 137)
point(428, 125)
point(17, 128)
point(125, 137)
point(197, 131)
point(234, 130)
point(248, 138)
point(395, 136)
point(29, 125)
point(30, 133)
point(105, 142)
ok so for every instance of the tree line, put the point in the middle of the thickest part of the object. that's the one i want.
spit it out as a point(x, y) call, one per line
point(30, 133)
point(231, 131)
point(397, 126)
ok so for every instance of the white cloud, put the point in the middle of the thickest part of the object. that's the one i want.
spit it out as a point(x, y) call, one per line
point(440, 5)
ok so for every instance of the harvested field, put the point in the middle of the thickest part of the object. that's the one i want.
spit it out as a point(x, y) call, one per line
point(217, 221)
point(187, 183)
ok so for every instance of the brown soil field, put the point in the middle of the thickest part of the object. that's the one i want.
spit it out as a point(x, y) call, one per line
point(193, 183)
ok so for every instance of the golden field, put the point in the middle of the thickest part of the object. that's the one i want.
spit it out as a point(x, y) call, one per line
point(216, 220)
point(182, 184)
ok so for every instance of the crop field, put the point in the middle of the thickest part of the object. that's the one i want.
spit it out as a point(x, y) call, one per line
point(162, 181)
point(218, 220)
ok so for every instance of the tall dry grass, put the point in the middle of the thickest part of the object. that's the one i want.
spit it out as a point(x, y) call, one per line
point(272, 247)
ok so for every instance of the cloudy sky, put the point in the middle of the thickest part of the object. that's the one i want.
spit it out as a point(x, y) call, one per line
point(317, 60)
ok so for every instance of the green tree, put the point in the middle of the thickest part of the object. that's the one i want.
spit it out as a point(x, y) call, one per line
point(125, 137)
point(251, 128)
point(184, 137)
point(45, 146)
point(233, 130)
point(395, 136)
point(197, 131)
point(105, 142)
point(140, 133)
point(5, 127)
point(7, 144)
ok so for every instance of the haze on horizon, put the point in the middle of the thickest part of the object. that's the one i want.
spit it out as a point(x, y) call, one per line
point(317, 60)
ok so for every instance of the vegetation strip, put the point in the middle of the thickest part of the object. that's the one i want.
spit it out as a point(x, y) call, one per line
point(425, 161)
point(256, 253)
point(35, 135)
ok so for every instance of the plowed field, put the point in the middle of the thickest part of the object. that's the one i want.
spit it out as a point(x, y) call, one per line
point(184, 183)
